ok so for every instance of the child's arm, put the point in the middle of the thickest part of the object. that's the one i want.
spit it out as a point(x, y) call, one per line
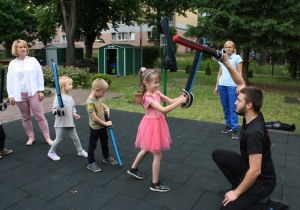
point(106, 109)
point(169, 100)
point(99, 121)
point(175, 102)
point(77, 116)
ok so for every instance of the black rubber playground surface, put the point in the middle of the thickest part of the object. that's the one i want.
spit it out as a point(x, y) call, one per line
point(31, 180)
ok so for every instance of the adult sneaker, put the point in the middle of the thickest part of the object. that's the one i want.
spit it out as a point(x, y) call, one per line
point(159, 187)
point(226, 129)
point(6, 151)
point(235, 135)
point(82, 153)
point(53, 156)
point(93, 166)
point(277, 204)
point(135, 172)
point(110, 160)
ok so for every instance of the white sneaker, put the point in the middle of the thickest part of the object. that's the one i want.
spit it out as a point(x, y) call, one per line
point(83, 153)
point(53, 156)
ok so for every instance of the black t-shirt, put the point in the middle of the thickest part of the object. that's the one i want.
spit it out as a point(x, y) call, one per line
point(255, 139)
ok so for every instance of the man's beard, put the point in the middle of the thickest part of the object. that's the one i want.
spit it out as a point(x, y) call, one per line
point(241, 112)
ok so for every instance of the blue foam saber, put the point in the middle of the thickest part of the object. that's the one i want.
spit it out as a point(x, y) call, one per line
point(113, 140)
point(59, 98)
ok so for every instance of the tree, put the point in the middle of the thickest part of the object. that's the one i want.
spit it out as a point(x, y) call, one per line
point(94, 17)
point(48, 22)
point(253, 24)
point(154, 10)
point(17, 21)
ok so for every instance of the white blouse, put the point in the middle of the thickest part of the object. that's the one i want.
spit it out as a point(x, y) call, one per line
point(24, 76)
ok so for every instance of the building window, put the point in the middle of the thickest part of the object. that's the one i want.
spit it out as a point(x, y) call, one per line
point(113, 36)
point(63, 38)
point(149, 35)
point(132, 36)
point(52, 39)
point(122, 36)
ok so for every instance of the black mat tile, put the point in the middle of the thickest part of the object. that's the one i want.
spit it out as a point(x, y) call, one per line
point(179, 197)
point(125, 202)
point(50, 186)
point(33, 202)
point(84, 196)
point(10, 195)
point(208, 200)
point(22, 174)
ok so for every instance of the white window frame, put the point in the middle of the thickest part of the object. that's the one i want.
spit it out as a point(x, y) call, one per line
point(113, 36)
point(63, 38)
point(132, 36)
point(122, 36)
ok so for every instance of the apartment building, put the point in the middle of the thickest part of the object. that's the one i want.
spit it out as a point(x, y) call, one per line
point(137, 35)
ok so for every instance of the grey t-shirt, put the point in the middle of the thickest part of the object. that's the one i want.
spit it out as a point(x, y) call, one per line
point(69, 108)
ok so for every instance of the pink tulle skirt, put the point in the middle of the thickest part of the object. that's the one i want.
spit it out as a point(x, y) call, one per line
point(153, 134)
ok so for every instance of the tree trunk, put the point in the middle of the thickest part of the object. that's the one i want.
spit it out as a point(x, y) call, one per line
point(245, 65)
point(70, 23)
point(262, 59)
point(89, 46)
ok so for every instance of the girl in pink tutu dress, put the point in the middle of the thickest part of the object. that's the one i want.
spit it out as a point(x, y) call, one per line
point(153, 132)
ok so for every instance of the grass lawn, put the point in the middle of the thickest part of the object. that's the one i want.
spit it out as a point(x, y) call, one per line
point(207, 107)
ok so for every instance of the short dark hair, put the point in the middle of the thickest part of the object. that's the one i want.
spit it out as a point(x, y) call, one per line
point(255, 96)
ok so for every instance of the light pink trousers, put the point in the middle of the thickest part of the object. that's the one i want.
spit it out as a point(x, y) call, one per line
point(36, 106)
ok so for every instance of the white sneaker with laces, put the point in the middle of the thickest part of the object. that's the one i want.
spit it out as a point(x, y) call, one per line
point(83, 153)
point(53, 156)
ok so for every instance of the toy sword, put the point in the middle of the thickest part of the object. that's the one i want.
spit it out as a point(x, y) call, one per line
point(3, 104)
point(113, 139)
point(192, 76)
point(218, 55)
point(60, 110)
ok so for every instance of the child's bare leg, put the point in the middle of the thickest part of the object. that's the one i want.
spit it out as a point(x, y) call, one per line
point(140, 156)
point(156, 166)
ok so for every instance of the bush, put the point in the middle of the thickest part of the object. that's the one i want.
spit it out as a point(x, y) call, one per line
point(79, 76)
point(188, 68)
point(208, 69)
point(150, 55)
point(250, 73)
point(106, 77)
point(5, 95)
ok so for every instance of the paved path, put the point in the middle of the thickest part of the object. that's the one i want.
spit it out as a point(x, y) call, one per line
point(30, 180)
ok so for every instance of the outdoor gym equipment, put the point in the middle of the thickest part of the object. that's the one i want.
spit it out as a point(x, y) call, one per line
point(3, 104)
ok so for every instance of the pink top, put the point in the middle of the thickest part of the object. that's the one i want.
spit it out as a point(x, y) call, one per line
point(147, 100)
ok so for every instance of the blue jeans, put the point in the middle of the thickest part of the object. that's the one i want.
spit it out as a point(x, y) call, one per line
point(228, 97)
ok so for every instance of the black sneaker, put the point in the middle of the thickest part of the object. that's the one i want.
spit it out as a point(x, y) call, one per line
point(223, 192)
point(93, 166)
point(235, 135)
point(135, 172)
point(110, 160)
point(159, 187)
point(277, 204)
point(226, 129)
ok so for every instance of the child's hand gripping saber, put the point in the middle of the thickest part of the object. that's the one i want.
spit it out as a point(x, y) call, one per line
point(113, 140)
point(3, 104)
point(60, 110)
point(218, 55)
point(192, 76)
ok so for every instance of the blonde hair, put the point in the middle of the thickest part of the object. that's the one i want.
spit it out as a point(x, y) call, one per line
point(233, 45)
point(147, 75)
point(14, 47)
point(99, 83)
point(63, 81)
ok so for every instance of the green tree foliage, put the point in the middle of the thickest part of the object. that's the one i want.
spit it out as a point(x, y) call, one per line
point(150, 55)
point(293, 55)
point(208, 69)
point(253, 24)
point(94, 17)
point(155, 10)
point(17, 21)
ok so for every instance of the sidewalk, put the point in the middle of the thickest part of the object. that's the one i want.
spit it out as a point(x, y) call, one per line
point(31, 180)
